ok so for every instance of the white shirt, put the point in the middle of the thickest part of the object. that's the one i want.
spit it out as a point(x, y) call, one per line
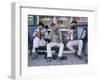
point(43, 31)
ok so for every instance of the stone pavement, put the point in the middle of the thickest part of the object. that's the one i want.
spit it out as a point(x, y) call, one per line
point(71, 60)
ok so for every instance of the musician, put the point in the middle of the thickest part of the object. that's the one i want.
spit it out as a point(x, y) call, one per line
point(38, 39)
point(75, 41)
point(55, 40)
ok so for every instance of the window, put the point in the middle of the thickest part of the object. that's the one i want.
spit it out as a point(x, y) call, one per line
point(32, 20)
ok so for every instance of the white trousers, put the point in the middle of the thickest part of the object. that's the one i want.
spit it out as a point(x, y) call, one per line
point(75, 42)
point(38, 42)
point(52, 44)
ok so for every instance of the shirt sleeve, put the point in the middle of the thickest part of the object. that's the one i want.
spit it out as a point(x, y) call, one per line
point(34, 34)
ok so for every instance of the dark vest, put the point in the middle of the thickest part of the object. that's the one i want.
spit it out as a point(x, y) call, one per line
point(75, 35)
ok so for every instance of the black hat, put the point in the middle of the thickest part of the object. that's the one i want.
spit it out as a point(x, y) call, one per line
point(52, 24)
point(41, 23)
point(74, 22)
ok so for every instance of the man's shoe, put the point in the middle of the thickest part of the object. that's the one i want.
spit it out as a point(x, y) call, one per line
point(76, 54)
point(54, 57)
point(80, 57)
point(63, 58)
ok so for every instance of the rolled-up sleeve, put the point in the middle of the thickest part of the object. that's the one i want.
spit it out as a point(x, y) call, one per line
point(34, 34)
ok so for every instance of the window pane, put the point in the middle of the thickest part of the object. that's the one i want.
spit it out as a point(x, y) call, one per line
point(30, 20)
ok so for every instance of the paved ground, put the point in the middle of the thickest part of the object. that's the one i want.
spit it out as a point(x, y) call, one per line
point(71, 60)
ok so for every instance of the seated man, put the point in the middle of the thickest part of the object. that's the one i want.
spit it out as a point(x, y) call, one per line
point(38, 40)
point(55, 40)
point(75, 41)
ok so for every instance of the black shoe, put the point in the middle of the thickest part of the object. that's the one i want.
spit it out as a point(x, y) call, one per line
point(79, 57)
point(54, 57)
point(76, 54)
point(34, 55)
point(63, 58)
point(49, 59)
